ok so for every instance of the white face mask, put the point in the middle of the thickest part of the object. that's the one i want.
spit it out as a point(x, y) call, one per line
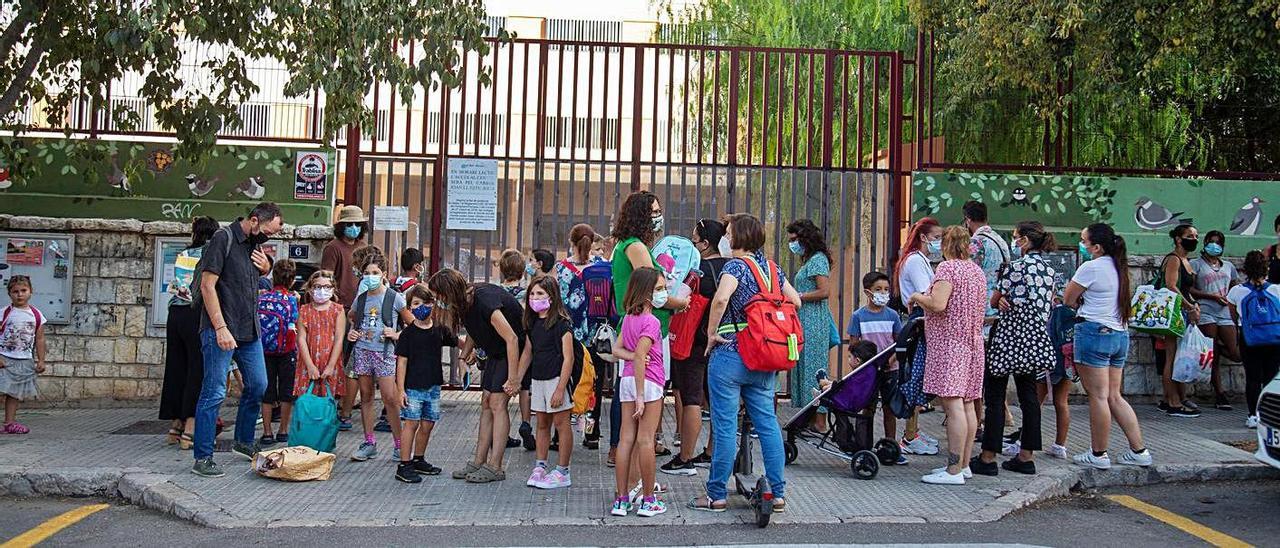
point(321, 294)
point(657, 223)
point(880, 298)
point(724, 247)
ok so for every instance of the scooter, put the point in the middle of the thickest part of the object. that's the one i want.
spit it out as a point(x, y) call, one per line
point(758, 492)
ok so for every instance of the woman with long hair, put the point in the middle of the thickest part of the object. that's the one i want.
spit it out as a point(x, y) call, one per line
point(1214, 279)
point(1260, 359)
point(915, 274)
point(812, 281)
point(1177, 275)
point(183, 363)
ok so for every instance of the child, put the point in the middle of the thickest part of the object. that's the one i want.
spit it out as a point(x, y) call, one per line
point(358, 258)
point(640, 391)
point(411, 269)
point(541, 261)
point(879, 325)
point(372, 356)
point(419, 353)
point(321, 324)
point(21, 338)
point(1062, 321)
point(513, 268)
point(548, 357)
point(278, 317)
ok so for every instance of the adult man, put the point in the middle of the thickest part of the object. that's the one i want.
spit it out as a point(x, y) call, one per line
point(228, 273)
point(992, 254)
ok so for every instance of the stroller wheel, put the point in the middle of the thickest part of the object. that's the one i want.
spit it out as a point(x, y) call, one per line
point(791, 451)
point(888, 451)
point(865, 465)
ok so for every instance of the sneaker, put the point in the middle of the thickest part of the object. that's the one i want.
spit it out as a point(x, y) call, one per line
point(1020, 466)
point(701, 460)
point(395, 454)
point(942, 477)
point(902, 460)
point(706, 415)
point(1011, 449)
point(651, 507)
point(1163, 406)
point(1251, 422)
point(406, 473)
point(425, 468)
point(266, 441)
point(537, 477)
point(207, 468)
point(637, 493)
point(1087, 459)
point(555, 480)
point(918, 446)
point(678, 467)
point(675, 442)
point(1183, 412)
point(1189, 404)
point(1222, 403)
point(526, 435)
point(282, 438)
point(1056, 451)
point(967, 473)
point(365, 452)
point(754, 435)
point(1142, 459)
point(1014, 436)
point(983, 468)
point(382, 426)
point(927, 438)
point(344, 424)
point(621, 506)
point(513, 443)
point(245, 450)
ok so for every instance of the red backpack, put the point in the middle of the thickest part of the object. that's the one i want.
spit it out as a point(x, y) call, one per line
point(773, 338)
point(685, 325)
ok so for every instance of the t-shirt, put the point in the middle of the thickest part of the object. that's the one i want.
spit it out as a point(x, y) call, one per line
point(404, 283)
point(880, 328)
point(916, 277)
point(547, 338)
point(990, 252)
point(735, 316)
point(1102, 287)
point(1214, 280)
point(229, 256)
point(369, 320)
point(424, 350)
point(622, 269)
point(635, 327)
point(336, 256)
point(489, 298)
point(18, 339)
point(1239, 292)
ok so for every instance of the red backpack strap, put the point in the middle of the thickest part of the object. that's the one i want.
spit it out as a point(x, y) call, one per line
point(39, 317)
point(572, 267)
point(5, 320)
point(770, 287)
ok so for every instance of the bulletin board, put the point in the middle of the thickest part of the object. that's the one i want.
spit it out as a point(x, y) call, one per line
point(1064, 264)
point(47, 260)
point(166, 253)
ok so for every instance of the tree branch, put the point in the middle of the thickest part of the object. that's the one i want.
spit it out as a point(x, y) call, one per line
point(14, 31)
point(20, 79)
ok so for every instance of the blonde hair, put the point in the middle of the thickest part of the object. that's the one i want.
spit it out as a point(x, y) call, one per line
point(311, 280)
point(955, 243)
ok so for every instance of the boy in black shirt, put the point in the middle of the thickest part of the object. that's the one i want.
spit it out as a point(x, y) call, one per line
point(419, 375)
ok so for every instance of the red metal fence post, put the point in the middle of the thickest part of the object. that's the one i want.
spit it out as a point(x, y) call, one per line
point(734, 68)
point(352, 169)
point(637, 119)
point(897, 186)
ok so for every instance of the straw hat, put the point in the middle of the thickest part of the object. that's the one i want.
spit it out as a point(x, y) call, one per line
point(351, 214)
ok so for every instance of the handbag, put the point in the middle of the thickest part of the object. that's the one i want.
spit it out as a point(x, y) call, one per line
point(315, 420)
point(835, 335)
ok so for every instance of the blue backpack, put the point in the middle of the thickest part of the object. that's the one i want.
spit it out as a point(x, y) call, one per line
point(598, 281)
point(277, 316)
point(1260, 316)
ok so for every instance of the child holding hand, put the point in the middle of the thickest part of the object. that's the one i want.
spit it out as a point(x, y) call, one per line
point(548, 357)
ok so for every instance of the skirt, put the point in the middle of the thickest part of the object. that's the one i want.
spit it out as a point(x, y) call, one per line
point(18, 378)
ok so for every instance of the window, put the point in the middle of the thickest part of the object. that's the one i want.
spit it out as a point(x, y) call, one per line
point(584, 30)
point(460, 134)
point(560, 131)
point(255, 120)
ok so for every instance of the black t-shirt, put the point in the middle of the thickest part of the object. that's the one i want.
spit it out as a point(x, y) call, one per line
point(487, 299)
point(424, 349)
point(707, 286)
point(547, 339)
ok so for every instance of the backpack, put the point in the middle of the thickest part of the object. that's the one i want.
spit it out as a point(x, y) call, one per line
point(684, 325)
point(583, 380)
point(278, 316)
point(602, 342)
point(598, 280)
point(34, 312)
point(197, 295)
point(386, 313)
point(1260, 316)
point(773, 337)
point(677, 256)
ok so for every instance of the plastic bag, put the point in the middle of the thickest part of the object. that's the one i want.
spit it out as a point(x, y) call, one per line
point(294, 464)
point(315, 420)
point(1157, 311)
point(1193, 362)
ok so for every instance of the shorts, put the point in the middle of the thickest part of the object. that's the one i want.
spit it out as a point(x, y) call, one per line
point(1206, 319)
point(690, 378)
point(541, 392)
point(1099, 346)
point(280, 377)
point(373, 362)
point(627, 390)
point(424, 404)
point(493, 374)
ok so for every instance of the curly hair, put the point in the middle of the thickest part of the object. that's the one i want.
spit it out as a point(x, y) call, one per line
point(811, 237)
point(635, 218)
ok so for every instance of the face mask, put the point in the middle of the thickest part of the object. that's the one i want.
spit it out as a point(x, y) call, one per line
point(656, 223)
point(1015, 252)
point(369, 282)
point(1213, 249)
point(880, 298)
point(1188, 244)
point(660, 298)
point(351, 231)
point(530, 271)
point(796, 248)
point(935, 247)
point(540, 305)
point(321, 294)
point(1084, 252)
point(724, 247)
point(421, 312)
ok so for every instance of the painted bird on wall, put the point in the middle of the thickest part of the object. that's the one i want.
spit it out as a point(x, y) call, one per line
point(1248, 218)
point(252, 188)
point(199, 187)
point(1019, 198)
point(1153, 216)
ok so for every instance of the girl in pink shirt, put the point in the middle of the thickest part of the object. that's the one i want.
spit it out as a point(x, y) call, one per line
point(640, 390)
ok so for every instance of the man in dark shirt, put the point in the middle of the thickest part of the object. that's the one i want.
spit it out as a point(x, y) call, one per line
point(228, 280)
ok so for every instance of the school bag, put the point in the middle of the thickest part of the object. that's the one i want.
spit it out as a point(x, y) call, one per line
point(598, 281)
point(583, 379)
point(277, 318)
point(678, 258)
point(1260, 316)
point(197, 295)
point(773, 337)
point(34, 312)
point(685, 325)
point(315, 419)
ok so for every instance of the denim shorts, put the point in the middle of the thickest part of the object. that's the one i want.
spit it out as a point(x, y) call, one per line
point(1099, 346)
point(424, 404)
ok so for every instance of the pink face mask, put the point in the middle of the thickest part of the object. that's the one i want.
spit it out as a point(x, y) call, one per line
point(539, 305)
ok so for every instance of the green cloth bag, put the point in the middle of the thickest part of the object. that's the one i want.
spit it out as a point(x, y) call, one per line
point(315, 421)
point(1157, 312)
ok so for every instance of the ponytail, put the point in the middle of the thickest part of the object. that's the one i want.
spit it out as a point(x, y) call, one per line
point(1113, 245)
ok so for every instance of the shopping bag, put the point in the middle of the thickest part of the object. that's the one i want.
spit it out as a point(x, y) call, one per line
point(1193, 362)
point(1157, 311)
point(315, 420)
point(294, 464)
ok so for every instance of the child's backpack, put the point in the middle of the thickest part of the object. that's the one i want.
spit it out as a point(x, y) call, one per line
point(773, 338)
point(386, 313)
point(1062, 327)
point(34, 312)
point(677, 256)
point(278, 316)
point(598, 280)
point(583, 380)
point(1260, 316)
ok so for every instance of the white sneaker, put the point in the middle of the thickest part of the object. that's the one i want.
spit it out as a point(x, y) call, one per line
point(967, 473)
point(1251, 422)
point(927, 438)
point(1142, 459)
point(1057, 451)
point(1087, 459)
point(943, 478)
point(918, 446)
point(1012, 449)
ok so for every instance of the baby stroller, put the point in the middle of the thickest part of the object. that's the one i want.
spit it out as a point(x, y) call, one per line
point(851, 421)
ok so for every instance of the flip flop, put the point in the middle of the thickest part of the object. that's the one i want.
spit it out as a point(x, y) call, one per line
point(16, 428)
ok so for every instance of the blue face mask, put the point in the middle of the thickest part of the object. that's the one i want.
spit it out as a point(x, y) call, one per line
point(1084, 252)
point(935, 247)
point(421, 312)
point(369, 282)
point(796, 247)
point(1213, 249)
point(530, 271)
point(1015, 252)
point(351, 231)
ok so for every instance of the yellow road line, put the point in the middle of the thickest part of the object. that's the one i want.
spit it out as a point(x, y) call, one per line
point(41, 532)
point(1188, 526)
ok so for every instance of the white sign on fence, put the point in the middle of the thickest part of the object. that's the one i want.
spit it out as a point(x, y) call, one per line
point(472, 194)
point(391, 218)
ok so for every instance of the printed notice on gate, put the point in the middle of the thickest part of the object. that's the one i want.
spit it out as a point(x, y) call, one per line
point(472, 194)
point(311, 172)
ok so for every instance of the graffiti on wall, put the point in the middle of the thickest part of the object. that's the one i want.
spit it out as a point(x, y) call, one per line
point(1142, 209)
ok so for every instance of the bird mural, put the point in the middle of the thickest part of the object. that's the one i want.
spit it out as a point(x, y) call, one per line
point(1248, 218)
point(118, 178)
point(199, 187)
point(1153, 216)
point(1019, 197)
point(251, 188)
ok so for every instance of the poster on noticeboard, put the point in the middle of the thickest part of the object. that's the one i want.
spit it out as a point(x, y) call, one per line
point(47, 260)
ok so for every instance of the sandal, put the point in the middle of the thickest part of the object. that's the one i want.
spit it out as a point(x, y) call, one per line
point(467, 470)
point(16, 428)
point(779, 505)
point(172, 437)
point(186, 442)
point(486, 474)
point(705, 504)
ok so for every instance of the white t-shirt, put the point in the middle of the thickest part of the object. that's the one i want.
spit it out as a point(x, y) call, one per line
point(1098, 277)
point(18, 338)
point(916, 276)
point(1239, 292)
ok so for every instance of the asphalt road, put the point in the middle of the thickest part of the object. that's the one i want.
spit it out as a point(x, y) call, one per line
point(1243, 510)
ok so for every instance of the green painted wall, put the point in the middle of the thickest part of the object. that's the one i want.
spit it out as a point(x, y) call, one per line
point(1141, 209)
point(146, 181)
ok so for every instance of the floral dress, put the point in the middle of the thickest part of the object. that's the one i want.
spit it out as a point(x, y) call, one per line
point(815, 318)
point(954, 363)
point(1021, 344)
point(574, 293)
point(320, 325)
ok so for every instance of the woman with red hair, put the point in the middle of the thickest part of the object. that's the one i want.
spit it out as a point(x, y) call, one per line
point(915, 275)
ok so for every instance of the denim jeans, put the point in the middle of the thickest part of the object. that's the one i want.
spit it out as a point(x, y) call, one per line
point(729, 380)
point(217, 362)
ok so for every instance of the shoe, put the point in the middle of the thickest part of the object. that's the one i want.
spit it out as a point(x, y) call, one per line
point(637, 493)
point(395, 454)
point(526, 435)
point(660, 450)
point(207, 468)
point(282, 438)
point(536, 478)
point(1087, 459)
point(1142, 459)
point(902, 460)
point(1187, 403)
point(621, 506)
point(706, 415)
point(1013, 436)
point(967, 472)
point(651, 507)
point(246, 451)
point(1011, 449)
point(754, 435)
point(465, 471)
point(1183, 412)
point(555, 445)
point(266, 441)
point(982, 468)
point(943, 478)
point(555, 480)
point(425, 468)
point(365, 452)
point(675, 442)
point(344, 424)
point(513, 443)
point(678, 467)
point(977, 437)
point(1163, 406)
point(406, 473)
point(701, 460)
point(486, 474)
point(259, 421)
point(593, 445)
point(1221, 402)
point(1020, 466)
point(1251, 422)
point(918, 446)
point(1056, 451)
point(382, 426)
point(927, 438)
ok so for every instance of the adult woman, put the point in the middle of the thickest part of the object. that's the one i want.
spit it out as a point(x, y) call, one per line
point(728, 379)
point(953, 310)
point(1100, 293)
point(574, 294)
point(493, 320)
point(183, 363)
point(1020, 346)
point(811, 281)
point(1177, 275)
point(338, 257)
point(915, 275)
point(1214, 278)
point(1260, 360)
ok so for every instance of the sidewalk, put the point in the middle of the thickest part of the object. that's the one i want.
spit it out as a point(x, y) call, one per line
point(82, 452)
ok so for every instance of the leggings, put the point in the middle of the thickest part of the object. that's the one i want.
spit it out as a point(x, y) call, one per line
point(993, 396)
point(1260, 365)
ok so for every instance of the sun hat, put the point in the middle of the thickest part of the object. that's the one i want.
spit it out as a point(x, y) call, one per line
point(351, 214)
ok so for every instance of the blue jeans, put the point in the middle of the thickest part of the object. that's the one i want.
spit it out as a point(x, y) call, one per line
point(728, 379)
point(217, 362)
